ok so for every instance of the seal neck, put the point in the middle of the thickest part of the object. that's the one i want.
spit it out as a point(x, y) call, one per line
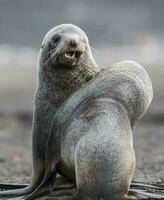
point(56, 85)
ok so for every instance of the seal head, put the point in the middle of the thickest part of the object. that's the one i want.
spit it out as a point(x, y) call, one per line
point(66, 44)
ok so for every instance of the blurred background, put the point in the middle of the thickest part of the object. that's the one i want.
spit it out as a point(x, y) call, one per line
point(118, 30)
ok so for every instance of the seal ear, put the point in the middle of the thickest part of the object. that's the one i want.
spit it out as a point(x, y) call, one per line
point(42, 45)
point(44, 41)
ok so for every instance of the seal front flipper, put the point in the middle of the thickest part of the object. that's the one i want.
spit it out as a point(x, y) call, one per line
point(53, 185)
point(50, 161)
point(12, 186)
point(26, 190)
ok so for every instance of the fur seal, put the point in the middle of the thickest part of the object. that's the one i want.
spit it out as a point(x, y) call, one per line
point(83, 119)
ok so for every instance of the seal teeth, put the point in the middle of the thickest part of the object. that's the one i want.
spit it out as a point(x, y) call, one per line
point(69, 54)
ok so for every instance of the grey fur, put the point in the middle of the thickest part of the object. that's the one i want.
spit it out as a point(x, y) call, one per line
point(83, 129)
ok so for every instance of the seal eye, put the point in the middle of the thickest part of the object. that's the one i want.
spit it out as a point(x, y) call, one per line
point(55, 39)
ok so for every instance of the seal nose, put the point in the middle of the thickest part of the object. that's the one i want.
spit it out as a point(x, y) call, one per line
point(73, 43)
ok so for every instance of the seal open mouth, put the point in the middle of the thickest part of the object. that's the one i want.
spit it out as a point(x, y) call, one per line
point(72, 54)
point(69, 57)
point(69, 54)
